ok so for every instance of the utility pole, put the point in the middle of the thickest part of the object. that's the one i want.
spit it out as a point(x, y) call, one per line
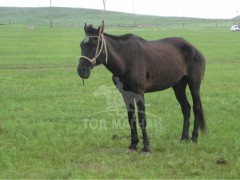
point(236, 16)
point(134, 17)
point(51, 14)
point(183, 15)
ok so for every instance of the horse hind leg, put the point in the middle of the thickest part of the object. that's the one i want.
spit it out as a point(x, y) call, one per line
point(195, 72)
point(180, 93)
point(199, 119)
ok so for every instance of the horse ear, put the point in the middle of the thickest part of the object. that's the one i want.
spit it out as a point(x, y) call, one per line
point(85, 28)
point(98, 30)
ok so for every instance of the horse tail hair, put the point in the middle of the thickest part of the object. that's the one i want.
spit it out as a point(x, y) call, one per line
point(199, 58)
point(201, 121)
point(204, 66)
point(193, 54)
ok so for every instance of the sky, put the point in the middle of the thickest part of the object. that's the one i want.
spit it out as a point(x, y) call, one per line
point(215, 9)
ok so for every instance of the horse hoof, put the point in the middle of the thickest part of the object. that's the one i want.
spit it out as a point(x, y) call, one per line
point(184, 139)
point(194, 139)
point(130, 151)
point(145, 154)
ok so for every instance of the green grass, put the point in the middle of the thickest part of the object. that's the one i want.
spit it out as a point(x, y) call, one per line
point(51, 126)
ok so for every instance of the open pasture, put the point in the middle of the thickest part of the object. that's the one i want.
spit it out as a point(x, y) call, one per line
point(53, 126)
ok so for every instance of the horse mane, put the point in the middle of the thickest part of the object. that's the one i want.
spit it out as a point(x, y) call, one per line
point(91, 30)
point(123, 37)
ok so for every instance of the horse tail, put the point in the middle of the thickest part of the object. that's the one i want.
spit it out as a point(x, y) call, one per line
point(204, 66)
point(197, 66)
point(194, 57)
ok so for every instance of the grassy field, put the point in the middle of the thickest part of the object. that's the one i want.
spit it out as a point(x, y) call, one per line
point(53, 126)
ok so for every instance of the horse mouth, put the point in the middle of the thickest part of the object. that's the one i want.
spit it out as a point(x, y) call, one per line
point(85, 77)
point(84, 73)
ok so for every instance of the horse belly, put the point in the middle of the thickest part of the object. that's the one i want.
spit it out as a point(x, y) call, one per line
point(165, 74)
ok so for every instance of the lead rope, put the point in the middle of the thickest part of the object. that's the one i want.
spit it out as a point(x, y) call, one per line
point(101, 28)
point(99, 36)
point(104, 45)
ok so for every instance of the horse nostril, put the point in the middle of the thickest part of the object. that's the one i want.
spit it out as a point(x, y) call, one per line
point(83, 72)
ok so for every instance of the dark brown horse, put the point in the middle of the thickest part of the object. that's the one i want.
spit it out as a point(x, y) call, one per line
point(140, 66)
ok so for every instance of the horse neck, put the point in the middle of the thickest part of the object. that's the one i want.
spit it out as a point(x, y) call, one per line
point(116, 61)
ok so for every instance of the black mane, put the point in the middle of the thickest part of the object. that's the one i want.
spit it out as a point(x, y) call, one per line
point(122, 37)
point(91, 30)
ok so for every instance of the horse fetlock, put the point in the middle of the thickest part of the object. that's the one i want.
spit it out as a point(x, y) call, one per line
point(133, 144)
point(146, 149)
point(185, 137)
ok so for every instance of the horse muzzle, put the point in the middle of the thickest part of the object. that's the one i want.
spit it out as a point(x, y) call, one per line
point(84, 72)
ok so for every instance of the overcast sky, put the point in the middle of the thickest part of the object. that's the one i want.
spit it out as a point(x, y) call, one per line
point(187, 8)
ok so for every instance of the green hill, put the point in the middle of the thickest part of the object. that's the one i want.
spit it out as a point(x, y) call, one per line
point(75, 17)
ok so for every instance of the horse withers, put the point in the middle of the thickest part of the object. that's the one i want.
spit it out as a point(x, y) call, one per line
point(140, 66)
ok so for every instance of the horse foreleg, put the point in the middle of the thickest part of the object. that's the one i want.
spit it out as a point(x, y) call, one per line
point(130, 105)
point(143, 122)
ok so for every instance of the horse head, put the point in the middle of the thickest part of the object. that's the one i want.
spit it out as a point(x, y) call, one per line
point(93, 49)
